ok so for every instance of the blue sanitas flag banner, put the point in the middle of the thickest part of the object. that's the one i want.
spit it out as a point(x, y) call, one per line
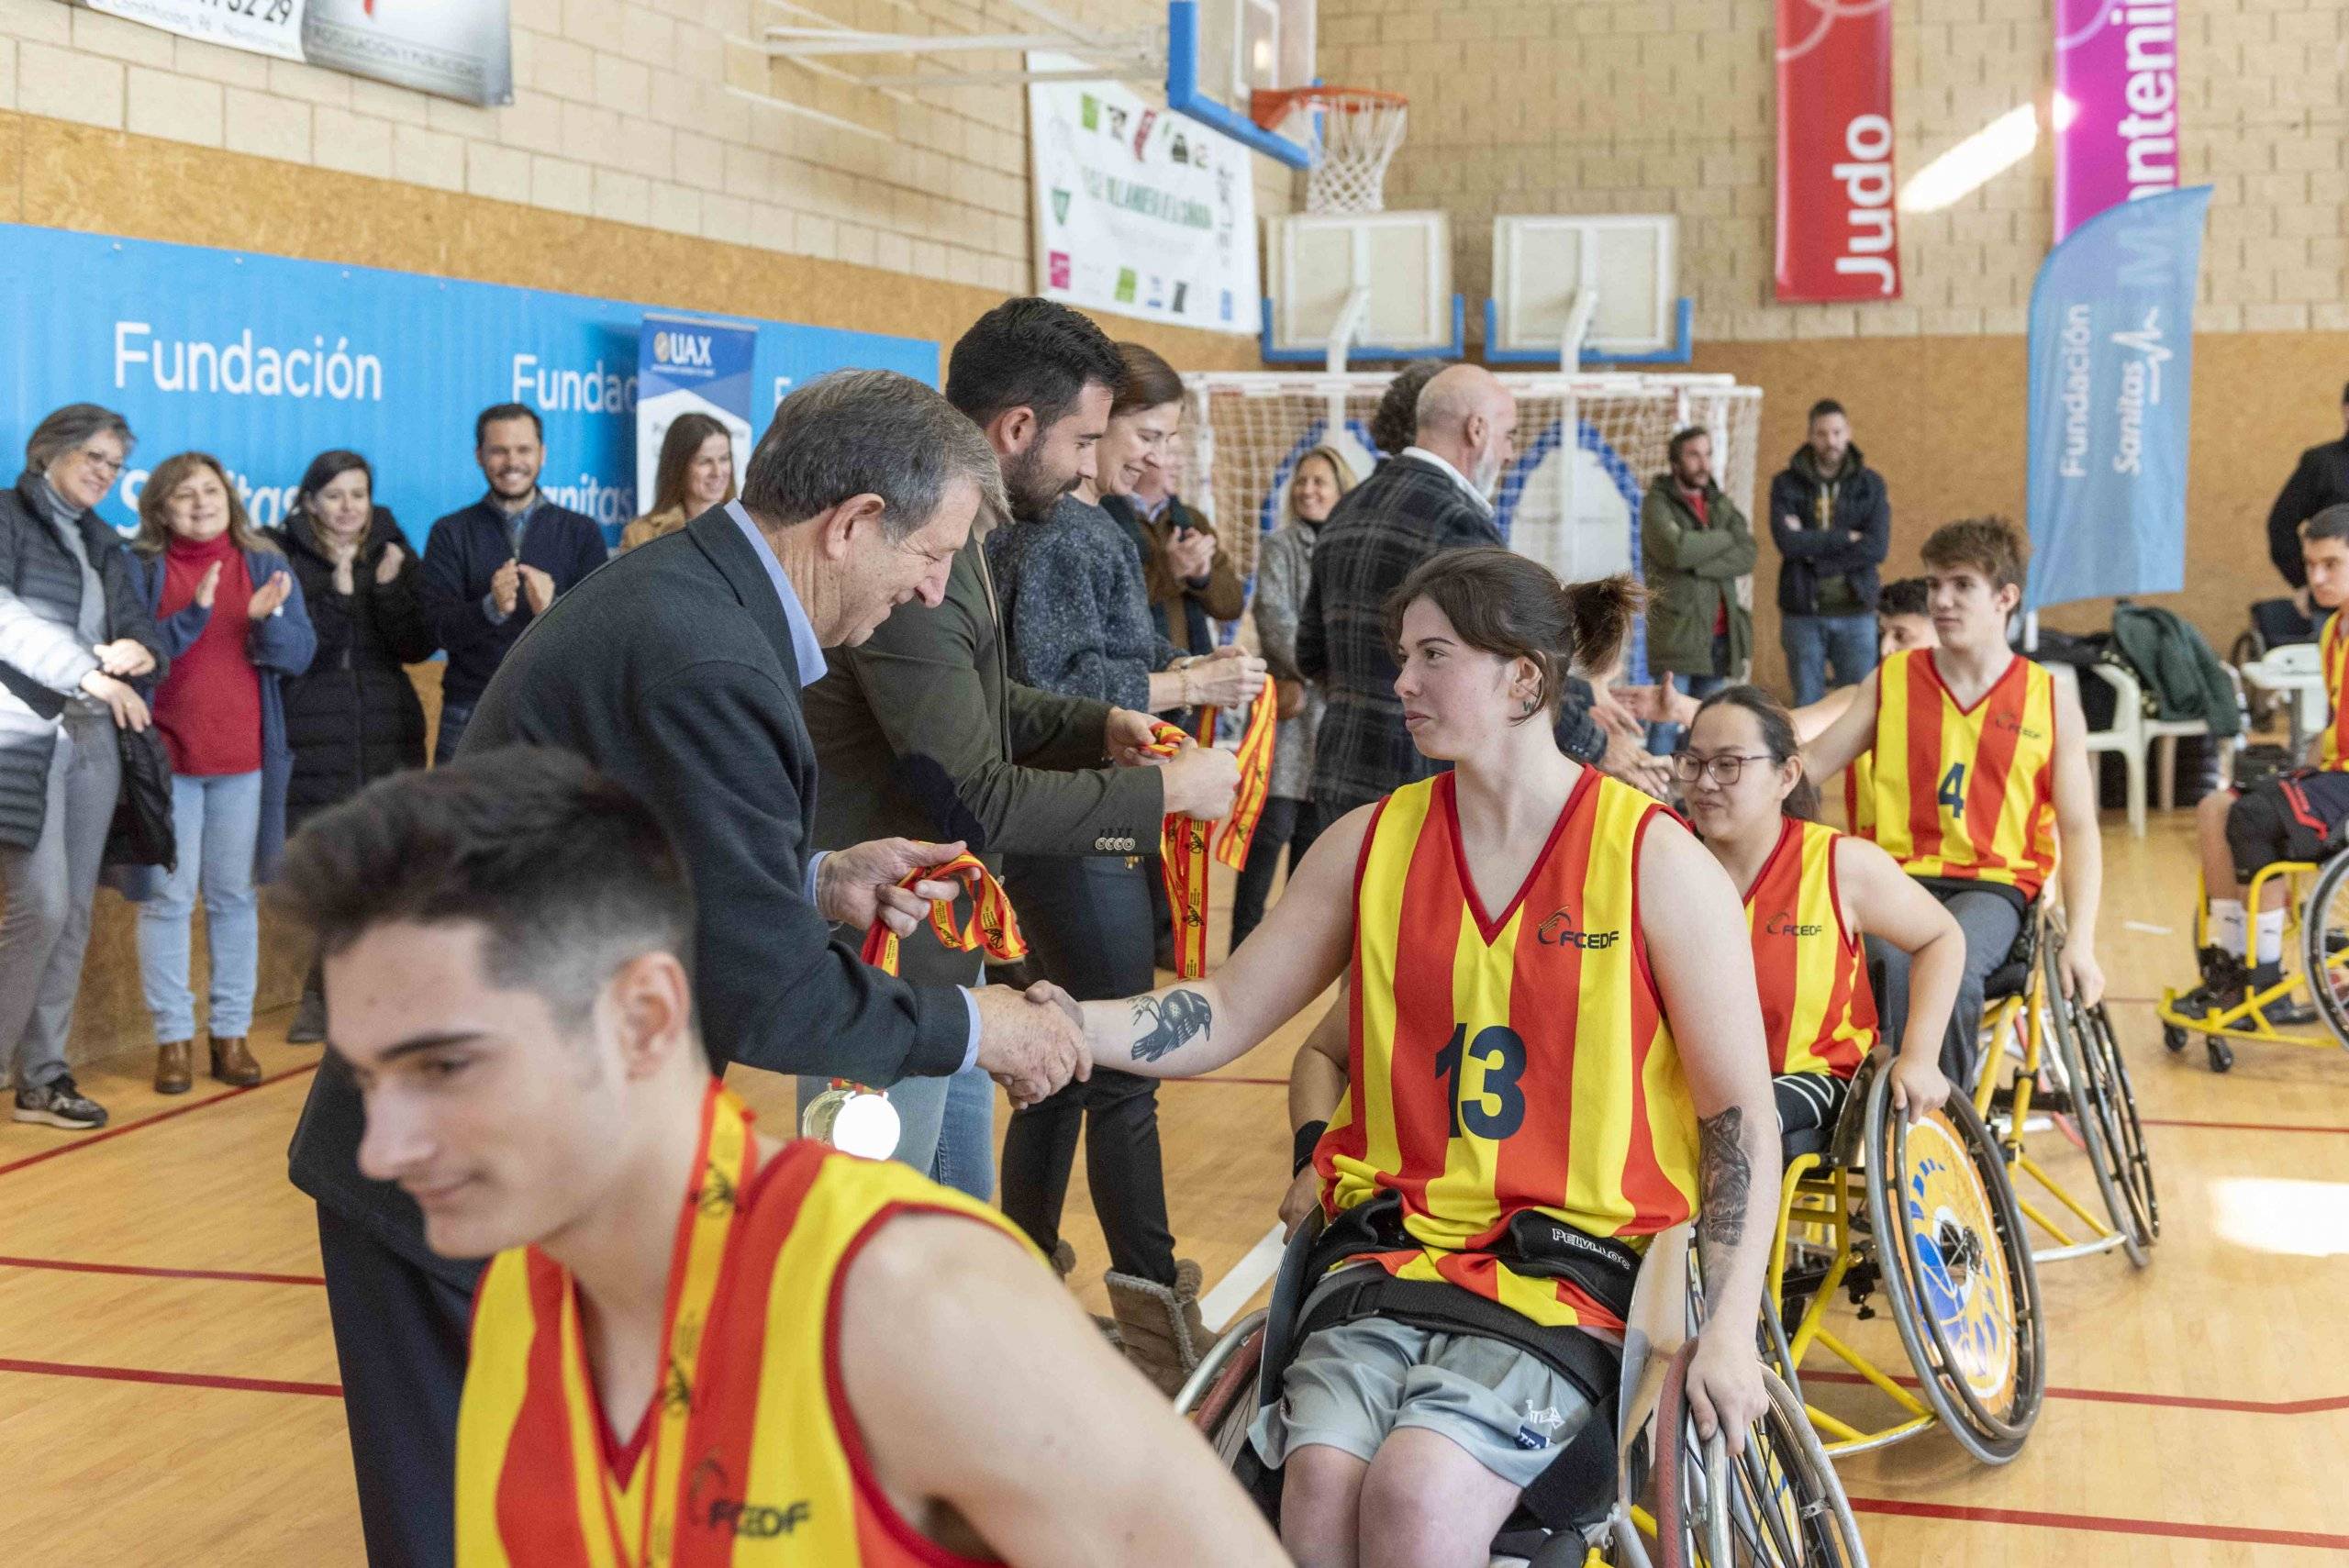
point(2111, 372)
point(264, 362)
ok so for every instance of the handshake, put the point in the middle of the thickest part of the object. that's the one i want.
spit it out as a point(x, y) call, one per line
point(1032, 1042)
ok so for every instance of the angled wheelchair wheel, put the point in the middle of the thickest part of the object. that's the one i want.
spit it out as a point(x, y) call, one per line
point(1777, 1505)
point(2325, 946)
point(2104, 1109)
point(1219, 1398)
point(1957, 1271)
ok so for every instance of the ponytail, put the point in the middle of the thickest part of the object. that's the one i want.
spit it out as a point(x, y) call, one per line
point(1600, 611)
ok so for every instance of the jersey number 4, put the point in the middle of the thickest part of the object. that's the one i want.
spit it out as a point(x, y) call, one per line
point(1498, 1109)
point(1951, 795)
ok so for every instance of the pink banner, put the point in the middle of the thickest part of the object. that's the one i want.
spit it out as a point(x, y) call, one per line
point(2116, 105)
point(1837, 232)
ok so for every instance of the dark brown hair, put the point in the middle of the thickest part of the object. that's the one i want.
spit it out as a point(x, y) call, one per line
point(1777, 727)
point(1503, 603)
point(1992, 545)
point(1395, 425)
point(155, 530)
point(678, 450)
point(1148, 381)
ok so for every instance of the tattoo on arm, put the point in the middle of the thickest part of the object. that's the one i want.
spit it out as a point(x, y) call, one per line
point(1725, 1177)
point(1169, 1023)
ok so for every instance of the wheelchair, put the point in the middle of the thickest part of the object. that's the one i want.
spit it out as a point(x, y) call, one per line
point(2316, 931)
point(1779, 1503)
point(1925, 1213)
point(2086, 1091)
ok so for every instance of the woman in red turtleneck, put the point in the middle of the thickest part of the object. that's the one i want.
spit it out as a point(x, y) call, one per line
point(231, 614)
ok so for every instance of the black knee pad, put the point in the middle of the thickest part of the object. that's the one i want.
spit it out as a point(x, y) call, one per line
point(2258, 829)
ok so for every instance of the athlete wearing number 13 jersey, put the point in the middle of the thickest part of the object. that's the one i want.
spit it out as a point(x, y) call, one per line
point(1966, 794)
point(1509, 1061)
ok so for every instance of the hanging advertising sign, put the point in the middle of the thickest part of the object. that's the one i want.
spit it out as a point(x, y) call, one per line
point(2116, 105)
point(1838, 238)
point(687, 364)
point(1140, 212)
point(456, 49)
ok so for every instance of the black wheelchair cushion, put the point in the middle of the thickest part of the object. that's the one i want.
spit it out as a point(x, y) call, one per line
point(1793, 1146)
point(2010, 979)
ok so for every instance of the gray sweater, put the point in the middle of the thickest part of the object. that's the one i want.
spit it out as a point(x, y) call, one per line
point(1283, 574)
point(1074, 610)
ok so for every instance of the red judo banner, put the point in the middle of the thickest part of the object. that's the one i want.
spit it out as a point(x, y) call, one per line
point(1837, 237)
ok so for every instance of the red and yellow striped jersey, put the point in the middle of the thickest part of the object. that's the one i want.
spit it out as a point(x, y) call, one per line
point(748, 1455)
point(1859, 796)
point(1817, 1010)
point(1966, 793)
point(2333, 743)
point(1501, 1063)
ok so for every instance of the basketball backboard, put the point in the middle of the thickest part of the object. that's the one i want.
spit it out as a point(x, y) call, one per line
point(1393, 268)
point(1621, 271)
point(1219, 53)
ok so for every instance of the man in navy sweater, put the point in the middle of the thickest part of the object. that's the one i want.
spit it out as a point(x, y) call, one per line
point(495, 566)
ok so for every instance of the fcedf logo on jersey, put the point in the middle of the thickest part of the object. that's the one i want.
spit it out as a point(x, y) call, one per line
point(2009, 724)
point(681, 349)
point(1782, 924)
point(707, 1504)
point(1560, 932)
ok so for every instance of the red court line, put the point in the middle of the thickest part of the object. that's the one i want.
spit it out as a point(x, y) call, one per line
point(145, 1272)
point(1223, 1078)
point(91, 1140)
point(2098, 1522)
point(2239, 1125)
point(173, 1379)
point(2165, 1401)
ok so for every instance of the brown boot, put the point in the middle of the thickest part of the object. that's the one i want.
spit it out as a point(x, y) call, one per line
point(1159, 1325)
point(232, 1063)
point(174, 1068)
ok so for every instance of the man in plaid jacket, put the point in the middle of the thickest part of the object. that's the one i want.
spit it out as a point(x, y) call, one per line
point(1430, 497)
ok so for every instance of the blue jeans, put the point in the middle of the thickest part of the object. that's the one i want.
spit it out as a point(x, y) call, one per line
point(454, 717)
point(946, 1128)
point(216, 820)
point(1664, 740)
point(1812, 642)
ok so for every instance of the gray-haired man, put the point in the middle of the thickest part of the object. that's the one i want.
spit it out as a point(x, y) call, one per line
point(677, 671)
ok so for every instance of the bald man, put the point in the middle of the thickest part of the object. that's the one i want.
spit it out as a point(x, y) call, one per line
point(1435, 496)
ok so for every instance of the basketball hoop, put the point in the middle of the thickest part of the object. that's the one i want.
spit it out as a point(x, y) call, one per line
point(1353, 137)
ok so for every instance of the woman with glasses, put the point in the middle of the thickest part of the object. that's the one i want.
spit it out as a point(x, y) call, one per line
point(74, 633)
point(1810, 894)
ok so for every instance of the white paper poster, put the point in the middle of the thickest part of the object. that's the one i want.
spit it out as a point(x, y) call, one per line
point(1140, 212)
point(456, 49)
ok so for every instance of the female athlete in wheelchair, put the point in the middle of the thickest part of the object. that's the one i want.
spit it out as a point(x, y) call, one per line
point(1540, 1081)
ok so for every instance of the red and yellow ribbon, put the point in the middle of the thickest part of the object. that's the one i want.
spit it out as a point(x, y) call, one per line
point(992, 924)
point(1239, 830)
point(1183, 841)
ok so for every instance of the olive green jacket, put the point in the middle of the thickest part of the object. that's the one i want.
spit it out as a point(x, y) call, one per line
point(1692, 572)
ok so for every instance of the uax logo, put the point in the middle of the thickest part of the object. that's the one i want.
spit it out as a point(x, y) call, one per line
point(690, 349)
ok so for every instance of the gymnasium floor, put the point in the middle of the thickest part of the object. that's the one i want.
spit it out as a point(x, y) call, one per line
point(167, 1382)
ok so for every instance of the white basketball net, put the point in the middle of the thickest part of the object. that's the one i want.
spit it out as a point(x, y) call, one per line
point(1354, 138)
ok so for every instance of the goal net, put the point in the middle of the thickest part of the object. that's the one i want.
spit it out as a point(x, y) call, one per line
point(1587, 447)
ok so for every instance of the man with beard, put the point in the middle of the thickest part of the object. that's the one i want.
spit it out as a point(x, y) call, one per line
point(1432, 496)
point(1833, 525)
point(492, 568)
point(922, 733)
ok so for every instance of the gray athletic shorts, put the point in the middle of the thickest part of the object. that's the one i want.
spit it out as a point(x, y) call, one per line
point(1352, 1385)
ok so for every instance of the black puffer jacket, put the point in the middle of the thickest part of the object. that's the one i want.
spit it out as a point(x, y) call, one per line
point(354, 718)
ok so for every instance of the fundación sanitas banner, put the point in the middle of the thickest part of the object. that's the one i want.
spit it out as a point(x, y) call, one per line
point(2112, 382)
point(1838, 237)
point(691, 364)
point(2116, 108)
point(1140, 212)
point(265, 362)
point(456, 49)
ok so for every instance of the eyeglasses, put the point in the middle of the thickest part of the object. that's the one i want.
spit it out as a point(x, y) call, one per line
point(109, 466)
point(1724, 768)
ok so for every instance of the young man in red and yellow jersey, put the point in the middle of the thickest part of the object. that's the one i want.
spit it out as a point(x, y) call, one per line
point(696, 1345)
point(2293, 817)
point(1981, 770)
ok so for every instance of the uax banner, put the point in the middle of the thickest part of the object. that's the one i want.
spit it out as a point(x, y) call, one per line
point(1838, 238)
point(2116, 105)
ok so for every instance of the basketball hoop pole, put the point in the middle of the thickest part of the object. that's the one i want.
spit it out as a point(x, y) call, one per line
point(1347, 330)
point(1585, 306)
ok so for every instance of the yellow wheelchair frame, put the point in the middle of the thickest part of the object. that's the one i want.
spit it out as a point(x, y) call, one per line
point(2248, 1019)
point(2131, 1220)
point(1832, 1203)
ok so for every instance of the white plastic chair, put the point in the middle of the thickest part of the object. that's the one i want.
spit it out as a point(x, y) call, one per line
point(2131, 733)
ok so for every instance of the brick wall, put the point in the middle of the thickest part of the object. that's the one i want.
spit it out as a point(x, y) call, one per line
point(1668, 105)
point(621, 112)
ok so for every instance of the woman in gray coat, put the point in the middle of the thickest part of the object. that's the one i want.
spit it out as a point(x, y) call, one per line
point(74, 634)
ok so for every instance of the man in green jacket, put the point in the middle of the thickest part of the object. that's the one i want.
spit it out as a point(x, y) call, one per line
point(1693, 546)
point(922, 732)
